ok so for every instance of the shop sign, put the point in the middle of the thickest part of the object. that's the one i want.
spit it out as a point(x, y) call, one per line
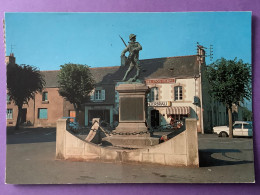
point(158, 81)
point(159, 103)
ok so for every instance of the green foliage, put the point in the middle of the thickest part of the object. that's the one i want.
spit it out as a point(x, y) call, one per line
point(230, 81)
point(246, 114)
point(75, 83)
point(23, 82)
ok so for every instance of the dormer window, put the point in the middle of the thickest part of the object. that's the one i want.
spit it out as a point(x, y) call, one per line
point(98, 95)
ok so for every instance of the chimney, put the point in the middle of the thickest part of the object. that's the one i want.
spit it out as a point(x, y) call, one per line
point(201, 54)
point(10, 59)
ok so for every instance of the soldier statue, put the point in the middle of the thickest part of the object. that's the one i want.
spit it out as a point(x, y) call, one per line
point(133, 58)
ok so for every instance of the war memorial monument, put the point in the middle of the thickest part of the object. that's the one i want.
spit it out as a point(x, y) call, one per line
point(131, 141)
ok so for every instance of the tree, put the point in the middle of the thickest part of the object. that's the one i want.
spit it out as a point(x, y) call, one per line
point(230, 83)
point(247, 114)
point(23, 82)
point(75, 84)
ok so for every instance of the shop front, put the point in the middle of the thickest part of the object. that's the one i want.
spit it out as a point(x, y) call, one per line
point(178, 114)
point(163, 113)
point(104, 112)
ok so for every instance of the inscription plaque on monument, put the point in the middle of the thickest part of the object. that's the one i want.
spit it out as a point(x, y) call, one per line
point(131, 109)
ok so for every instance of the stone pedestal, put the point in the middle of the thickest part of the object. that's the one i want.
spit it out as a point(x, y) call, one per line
point(132, 131)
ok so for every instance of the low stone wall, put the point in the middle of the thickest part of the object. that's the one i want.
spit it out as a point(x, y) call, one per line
point(181, 150)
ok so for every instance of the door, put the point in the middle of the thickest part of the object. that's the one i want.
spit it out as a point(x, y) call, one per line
point(155, 118)
point(247, 130)
point(237, 130)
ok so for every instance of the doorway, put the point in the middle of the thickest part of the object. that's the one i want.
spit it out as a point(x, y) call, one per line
point(104, 115)
point(155, 118)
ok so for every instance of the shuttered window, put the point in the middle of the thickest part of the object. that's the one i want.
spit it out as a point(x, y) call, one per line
point(43, 113)
point(9, 113)
point(98, 95)
point(178, 93)
point(45, 96)
point(103, 95)
point(8, 99)
point(153, 95)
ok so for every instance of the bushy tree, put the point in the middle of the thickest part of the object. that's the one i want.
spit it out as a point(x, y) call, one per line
point(75, 84)
point(23, 82)
point(246, 114)
point(230, 83)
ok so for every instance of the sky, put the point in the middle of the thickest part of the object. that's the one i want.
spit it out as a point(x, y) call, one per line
point(48, 40)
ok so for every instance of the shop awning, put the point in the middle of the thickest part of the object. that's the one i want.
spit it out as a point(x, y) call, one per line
point(178, 110)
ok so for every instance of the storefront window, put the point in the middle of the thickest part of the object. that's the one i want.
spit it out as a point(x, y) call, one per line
point(177, 120)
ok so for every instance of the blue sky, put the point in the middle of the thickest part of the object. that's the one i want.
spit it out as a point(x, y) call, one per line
point(48, 40)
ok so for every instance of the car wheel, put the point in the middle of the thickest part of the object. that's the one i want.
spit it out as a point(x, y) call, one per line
point(223, 134)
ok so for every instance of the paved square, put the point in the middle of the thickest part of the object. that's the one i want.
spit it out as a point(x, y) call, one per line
point(31, 160)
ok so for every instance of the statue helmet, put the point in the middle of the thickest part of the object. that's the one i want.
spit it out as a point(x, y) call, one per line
point(131, 36)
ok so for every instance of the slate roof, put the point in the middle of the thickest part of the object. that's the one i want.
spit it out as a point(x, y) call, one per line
point(177, 67)
point(51, 78)
point(174, 67)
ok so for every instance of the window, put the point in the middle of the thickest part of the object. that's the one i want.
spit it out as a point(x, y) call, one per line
point(8, 99)
point(42, 113)
point(154, 94)
point(238, 126)
point(178, 93)
point(247, 126)
point(45, 96)
point(97, 95)
point(9, 114)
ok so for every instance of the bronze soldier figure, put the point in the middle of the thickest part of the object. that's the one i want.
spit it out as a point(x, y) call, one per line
point(133, 58)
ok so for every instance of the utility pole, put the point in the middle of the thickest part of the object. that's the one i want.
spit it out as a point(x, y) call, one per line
point(211, 52)
point(12, 48)
point(201, 57)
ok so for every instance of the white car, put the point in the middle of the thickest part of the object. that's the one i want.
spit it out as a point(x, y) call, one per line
point(240, 128)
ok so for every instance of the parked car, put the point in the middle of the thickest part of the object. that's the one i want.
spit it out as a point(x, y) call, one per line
point(240, 128)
